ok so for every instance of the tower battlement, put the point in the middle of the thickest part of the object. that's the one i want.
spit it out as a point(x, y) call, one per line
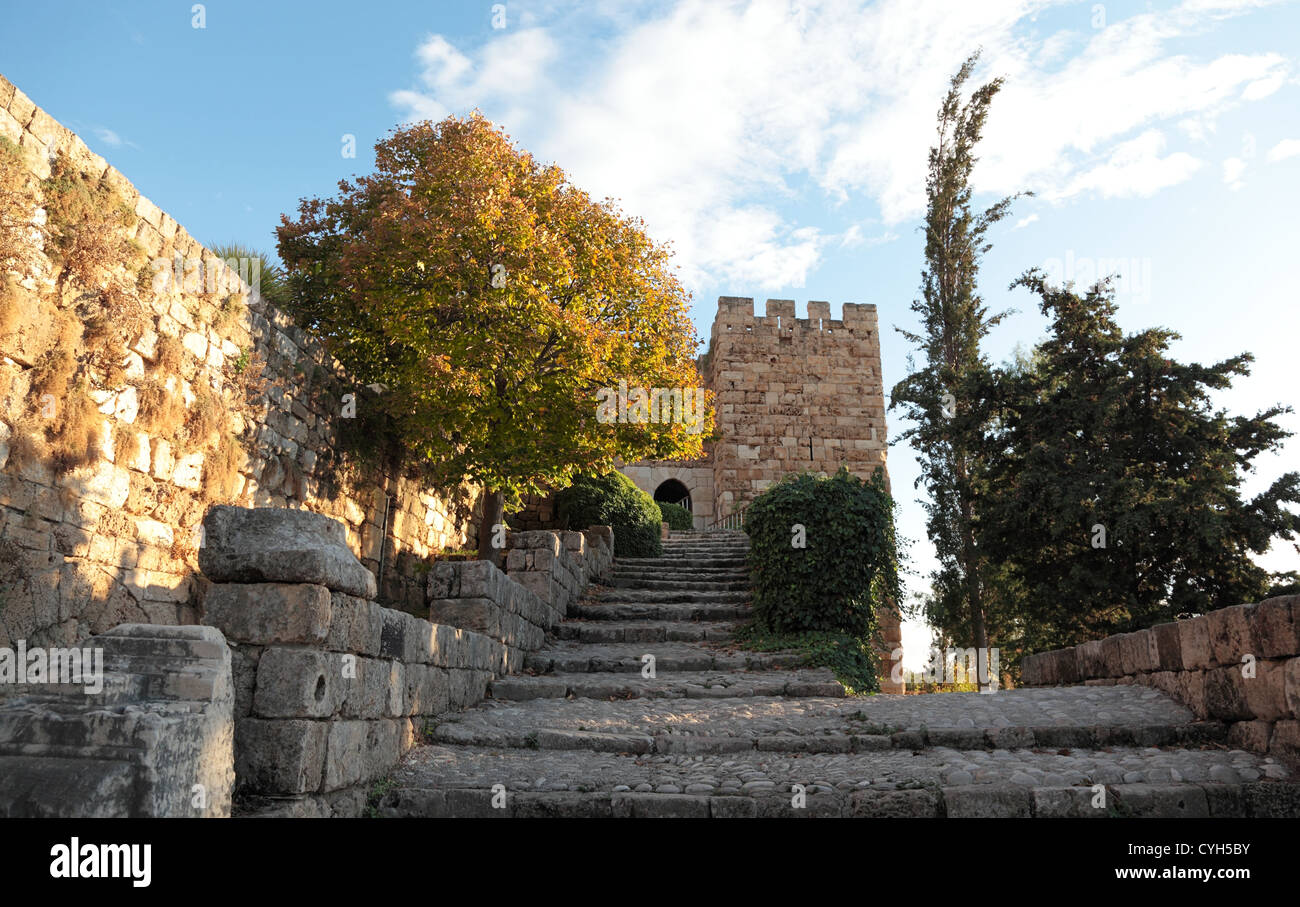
point(736, 315)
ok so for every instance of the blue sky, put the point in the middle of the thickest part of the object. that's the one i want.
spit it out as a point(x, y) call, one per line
point(780, 146)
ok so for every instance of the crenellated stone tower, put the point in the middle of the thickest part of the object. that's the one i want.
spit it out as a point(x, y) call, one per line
point(793, 395)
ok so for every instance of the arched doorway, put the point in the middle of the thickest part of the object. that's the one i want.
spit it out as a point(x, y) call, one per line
point(673, 492)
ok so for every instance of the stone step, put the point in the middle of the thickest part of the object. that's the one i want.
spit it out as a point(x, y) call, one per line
point(1050, 718)
point(1046, 718)
point(725, 574)
point(652, 611)
point(673, 563)
point(707, 534)
point(441, 780)
point(644, 631)
point(684, 545)
point(630, 657)
point(702, 554)
point(667, 685)
point(727, 585)
point(529, 735)
point(668, 596)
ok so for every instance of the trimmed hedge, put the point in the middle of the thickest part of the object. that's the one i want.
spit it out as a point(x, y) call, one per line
point(848, 566)
point(613, 500)
point(676, 516)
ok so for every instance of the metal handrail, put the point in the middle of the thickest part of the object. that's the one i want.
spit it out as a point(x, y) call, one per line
point(734, 520)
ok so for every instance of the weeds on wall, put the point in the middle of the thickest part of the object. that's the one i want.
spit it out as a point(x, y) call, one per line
point(97, 294)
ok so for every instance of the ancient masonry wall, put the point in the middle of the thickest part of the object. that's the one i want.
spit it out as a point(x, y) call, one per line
point(547, 571)
point(301, 693)
point(330, 688)
point(1238, 665)
point(793, 395)
point(114, 541)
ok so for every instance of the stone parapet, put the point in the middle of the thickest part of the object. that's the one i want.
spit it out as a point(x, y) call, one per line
point(1239, 665)
point(330, 688)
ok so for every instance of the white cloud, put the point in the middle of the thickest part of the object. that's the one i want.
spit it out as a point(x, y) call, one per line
point(854, 237)
point(1233, 168)
point(1026, 221)
point(1283, 150)
point(108, 137)
point(714, 122)
point(1134, 168)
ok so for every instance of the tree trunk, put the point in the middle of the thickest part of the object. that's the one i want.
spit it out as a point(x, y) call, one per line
point(493, 517)
point(974, 592)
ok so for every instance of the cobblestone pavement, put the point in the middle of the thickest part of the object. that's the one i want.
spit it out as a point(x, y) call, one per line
point(721, 732)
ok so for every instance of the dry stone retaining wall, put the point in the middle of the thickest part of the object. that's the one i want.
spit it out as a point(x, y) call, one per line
point(556, 566)
point(1239, 665)
point(547, 572)
point(113, 541)
point(330, 688)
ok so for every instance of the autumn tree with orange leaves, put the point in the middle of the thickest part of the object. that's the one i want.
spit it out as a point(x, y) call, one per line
point(493, 300)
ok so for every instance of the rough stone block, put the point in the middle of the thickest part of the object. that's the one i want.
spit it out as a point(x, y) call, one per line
point(1089, 661)
point(242, 545)
point(1194, 643)
point(269, 613)
point(1066, 803)
point(1250, 735)
point(1225, 694)
point(894, 804)
point(1272, 801)
point(404, 636)
point(297, 683)
point(480, 615)
point(1231, 634)
point(1169, 653)
point(1266, 691)
point(356, 625)
point(1291, 685)
point(1277, 626)
point(1163, 801)
point(279, 757)
point(1191, 692)
point(659, 806)
point(1112, 656)
point(985, 801)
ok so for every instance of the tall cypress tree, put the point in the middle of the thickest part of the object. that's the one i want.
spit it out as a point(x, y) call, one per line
point(940, 396)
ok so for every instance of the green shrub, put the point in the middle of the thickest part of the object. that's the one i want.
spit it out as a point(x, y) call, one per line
point(852, 661)
point(847, 566)
point(677, 517)
point(613, 500)
point(257, 268)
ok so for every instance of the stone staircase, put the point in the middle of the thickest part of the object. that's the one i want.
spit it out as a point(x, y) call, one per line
point(716, 731)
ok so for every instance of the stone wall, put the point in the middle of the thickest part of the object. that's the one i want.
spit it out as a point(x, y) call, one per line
point(331, 689)
point(114, 540)
point(555, 566)
point(154, 741)
point(1239, 665)
point(793, 395)
point(476, 596)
